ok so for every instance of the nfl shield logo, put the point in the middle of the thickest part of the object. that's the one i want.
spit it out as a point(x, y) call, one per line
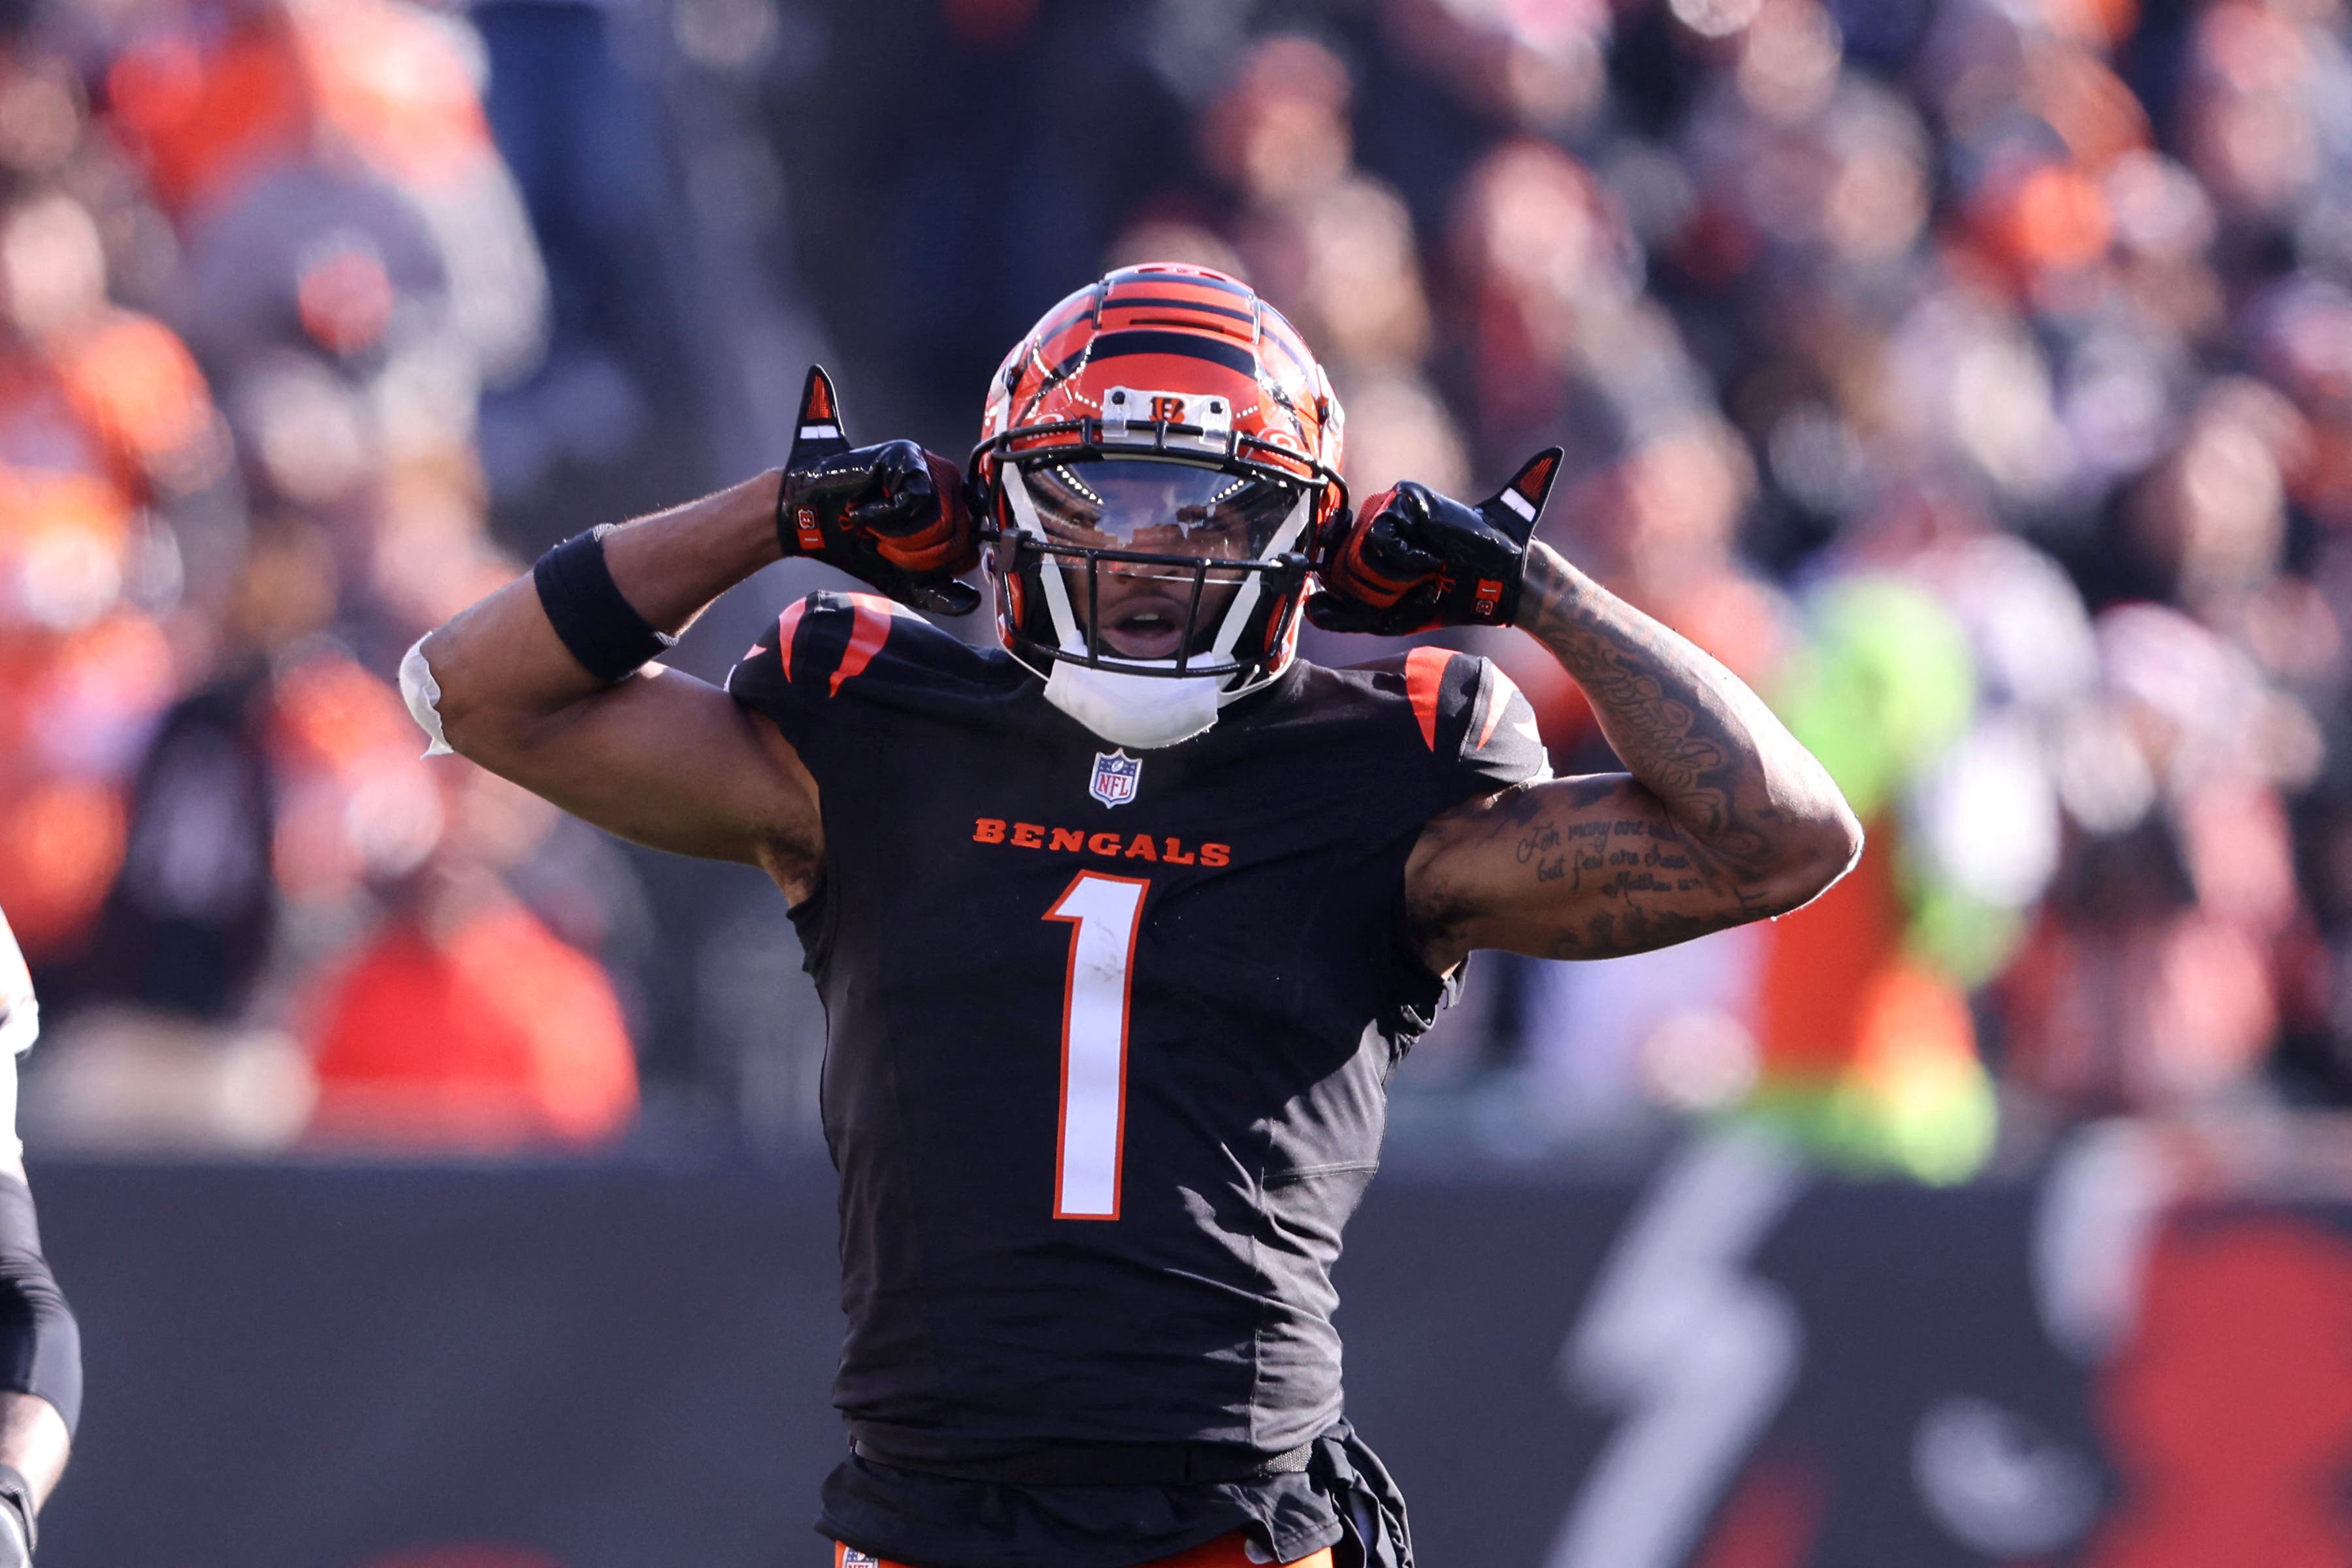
point(853, 1558)
point(1115, 776)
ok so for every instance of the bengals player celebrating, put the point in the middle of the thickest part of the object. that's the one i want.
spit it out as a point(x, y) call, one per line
point(1122, 925)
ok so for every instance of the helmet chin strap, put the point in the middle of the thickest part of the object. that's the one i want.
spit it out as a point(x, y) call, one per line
point(1145, 712)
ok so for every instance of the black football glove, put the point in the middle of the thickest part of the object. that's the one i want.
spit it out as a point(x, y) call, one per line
point(1413, 560)
point(894, 515)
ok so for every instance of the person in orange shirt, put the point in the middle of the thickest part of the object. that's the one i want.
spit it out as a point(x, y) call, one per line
point(492, 1031)
point(465, 1021)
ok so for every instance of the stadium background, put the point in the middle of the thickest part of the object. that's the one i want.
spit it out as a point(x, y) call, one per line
point(1975, 377)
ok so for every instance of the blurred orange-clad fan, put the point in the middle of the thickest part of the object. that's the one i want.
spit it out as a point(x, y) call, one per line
point(490, 1035)
point(464, 1022)
point(72, 708)
point(102, 412)
point(354, 801)
point(86, 386)
point(206, 109)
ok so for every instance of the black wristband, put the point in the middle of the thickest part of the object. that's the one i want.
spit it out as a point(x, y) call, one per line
point(17, 1492)
point(589, 612)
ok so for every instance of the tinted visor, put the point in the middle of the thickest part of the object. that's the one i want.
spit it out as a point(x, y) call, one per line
point(1167, 509)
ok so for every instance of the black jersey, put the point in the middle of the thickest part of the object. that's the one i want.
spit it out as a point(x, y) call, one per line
point(1109, 1032)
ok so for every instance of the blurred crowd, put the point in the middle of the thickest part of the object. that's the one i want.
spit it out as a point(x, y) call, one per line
point(1974, 379)
point(261, 265)
point(1972, 376)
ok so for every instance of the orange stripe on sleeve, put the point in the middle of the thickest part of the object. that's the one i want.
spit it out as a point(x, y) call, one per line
point(869, 629)
point(787, 625)
point(1424, 673)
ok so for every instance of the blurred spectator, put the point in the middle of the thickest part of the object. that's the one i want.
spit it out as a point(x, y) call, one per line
point(186, 929)
point(464, 1022)
point(213, 530)
point(2152, 981)
point(1963, 329)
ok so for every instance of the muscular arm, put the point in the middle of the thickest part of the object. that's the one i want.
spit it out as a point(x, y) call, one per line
point(1721, 818)
point(661, 758)
point(33, 1442)
point(32, 1437)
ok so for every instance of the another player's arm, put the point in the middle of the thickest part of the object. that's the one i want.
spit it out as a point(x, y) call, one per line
point(40, 1344)
point(33, 1443)
point(660, 758)
point(1722, 818)
point(35, 1440)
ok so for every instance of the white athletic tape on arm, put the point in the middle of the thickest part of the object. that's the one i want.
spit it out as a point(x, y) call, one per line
point(423, 695)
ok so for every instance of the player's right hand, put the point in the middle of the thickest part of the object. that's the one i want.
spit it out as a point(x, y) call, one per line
point(895, 514)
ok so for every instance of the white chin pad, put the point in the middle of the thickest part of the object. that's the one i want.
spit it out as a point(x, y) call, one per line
point(1145, 712)
point(423, 695)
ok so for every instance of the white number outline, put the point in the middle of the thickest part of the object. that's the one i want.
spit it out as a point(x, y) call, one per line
point(1088, 1047)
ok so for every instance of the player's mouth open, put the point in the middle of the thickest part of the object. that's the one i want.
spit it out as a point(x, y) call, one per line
point(1150, 629)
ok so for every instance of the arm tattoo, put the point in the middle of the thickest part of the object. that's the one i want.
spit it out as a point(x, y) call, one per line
point(1615, 878)
point(1684, 725)
point(1725, 818)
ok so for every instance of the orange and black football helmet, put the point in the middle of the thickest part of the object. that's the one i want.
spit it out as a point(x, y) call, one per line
point(1164, 422)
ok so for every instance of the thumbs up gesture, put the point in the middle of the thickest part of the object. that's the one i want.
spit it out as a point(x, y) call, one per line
point(1412, 560)
point(895, 515)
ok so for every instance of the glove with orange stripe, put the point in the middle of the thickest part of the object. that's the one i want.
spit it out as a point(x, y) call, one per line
point(1413, 560)
point(894, 515)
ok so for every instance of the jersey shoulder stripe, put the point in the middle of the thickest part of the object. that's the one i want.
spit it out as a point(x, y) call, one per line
point(1424, 685)
point(870, 617)
point(829, 646)
point(1464, 711)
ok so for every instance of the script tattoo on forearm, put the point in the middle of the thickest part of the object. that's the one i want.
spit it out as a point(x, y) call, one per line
point(1720, 818)
point(1699, 836)
point(1627, 873)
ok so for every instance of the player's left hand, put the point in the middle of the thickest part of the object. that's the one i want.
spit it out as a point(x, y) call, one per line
point(895, 515)
point(1413, 560)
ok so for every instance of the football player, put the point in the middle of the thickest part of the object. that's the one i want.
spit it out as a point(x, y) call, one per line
point(41, 1346)
point(1122, 925)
